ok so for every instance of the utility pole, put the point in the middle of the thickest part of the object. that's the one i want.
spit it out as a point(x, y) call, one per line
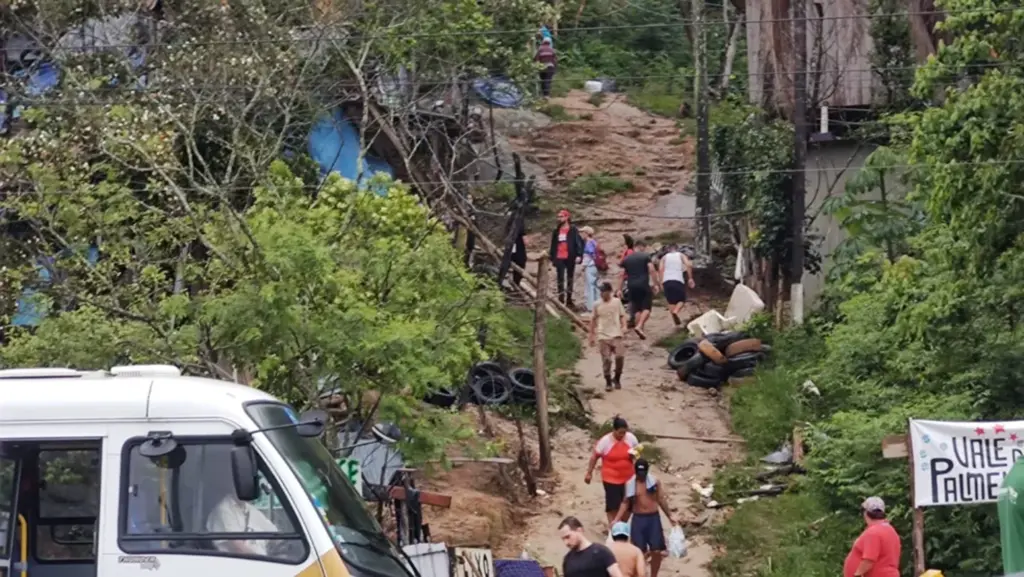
point(700, 104)
point(540, 369)
point(799, 183)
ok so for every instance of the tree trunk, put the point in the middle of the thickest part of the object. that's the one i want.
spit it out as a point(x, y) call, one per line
point(730, 53)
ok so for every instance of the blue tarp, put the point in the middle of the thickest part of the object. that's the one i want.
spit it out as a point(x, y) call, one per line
point(498, 91)
point(334, 145)
point(28, 312)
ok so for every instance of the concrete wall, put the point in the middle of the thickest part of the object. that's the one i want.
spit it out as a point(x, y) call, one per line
point(829, 167)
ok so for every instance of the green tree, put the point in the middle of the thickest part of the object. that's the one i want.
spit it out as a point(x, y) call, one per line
point(930, 328)
point(350, 290)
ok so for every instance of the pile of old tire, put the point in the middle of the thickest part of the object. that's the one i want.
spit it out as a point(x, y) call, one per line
point(709, 361)
point(489, 384)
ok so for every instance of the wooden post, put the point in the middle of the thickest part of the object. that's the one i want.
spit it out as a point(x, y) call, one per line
point(899, 447)
point(540, 371)
point(917, 516)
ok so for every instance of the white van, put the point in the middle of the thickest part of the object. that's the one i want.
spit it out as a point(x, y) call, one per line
point(139, 469)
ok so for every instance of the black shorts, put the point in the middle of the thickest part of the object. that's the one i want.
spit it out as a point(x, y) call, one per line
point(640, 297)
point(675, 291)
point(614, 495)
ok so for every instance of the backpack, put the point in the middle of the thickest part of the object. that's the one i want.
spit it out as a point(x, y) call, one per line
point(601, 259)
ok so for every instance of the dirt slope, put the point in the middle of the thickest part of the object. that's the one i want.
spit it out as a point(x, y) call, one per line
point(613, 138)
point(654, 400)
point(617, 139)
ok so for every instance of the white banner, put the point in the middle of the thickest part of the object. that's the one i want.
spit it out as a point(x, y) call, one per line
point(962, 463)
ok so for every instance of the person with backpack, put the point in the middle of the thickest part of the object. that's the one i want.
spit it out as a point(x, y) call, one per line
point(594, 263)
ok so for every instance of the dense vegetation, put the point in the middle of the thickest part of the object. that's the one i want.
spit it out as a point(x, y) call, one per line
point(647, 48)
point(921, 320)
point(221, 249)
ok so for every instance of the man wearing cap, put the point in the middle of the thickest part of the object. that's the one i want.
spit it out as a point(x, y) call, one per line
point(608, 328)
point(566, 253)
point(876, 553)
point(646, 499)
point(628, 556)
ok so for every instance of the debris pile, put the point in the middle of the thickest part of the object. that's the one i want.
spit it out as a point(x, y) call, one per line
point(489, 384)
point(710, 360)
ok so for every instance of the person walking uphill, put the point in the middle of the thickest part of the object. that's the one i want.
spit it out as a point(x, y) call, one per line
point(591, 268)
point(547, 58)
point(641, 279)
point(614, 451)
point(876, 553)
point(608, 328)
point(566, 253)
point(676, 274)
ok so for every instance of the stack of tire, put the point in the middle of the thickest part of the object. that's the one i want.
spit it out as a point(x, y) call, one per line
point(709, 361)
point(487, 383)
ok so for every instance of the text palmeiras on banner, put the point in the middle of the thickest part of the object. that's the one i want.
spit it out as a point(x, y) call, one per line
point(962, 463)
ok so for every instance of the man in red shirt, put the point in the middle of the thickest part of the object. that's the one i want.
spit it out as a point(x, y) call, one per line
point(566, 253)
point(876, 553)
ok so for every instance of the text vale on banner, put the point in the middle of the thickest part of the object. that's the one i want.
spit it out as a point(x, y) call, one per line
point(962, 463)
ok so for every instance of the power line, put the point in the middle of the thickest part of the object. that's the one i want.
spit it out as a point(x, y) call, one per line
point(682, 77)
point(391, 30)
point(481, 183)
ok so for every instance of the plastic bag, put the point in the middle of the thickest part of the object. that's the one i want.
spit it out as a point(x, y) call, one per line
point(677, 542)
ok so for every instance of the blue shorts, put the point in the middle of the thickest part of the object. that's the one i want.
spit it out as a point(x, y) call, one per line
point(646, 533)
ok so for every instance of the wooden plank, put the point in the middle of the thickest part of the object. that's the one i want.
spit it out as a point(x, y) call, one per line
point(426, 497)
point(895, 447)
point(701, 439)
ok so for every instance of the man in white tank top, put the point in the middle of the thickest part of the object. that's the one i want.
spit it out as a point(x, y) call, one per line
point(676, 274)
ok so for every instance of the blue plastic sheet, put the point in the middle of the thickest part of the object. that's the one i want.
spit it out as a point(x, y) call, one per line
point(334, 145)
point(498, 91)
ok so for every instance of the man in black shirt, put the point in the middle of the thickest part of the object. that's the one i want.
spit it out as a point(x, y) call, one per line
point(641, 279)
point(585, 559)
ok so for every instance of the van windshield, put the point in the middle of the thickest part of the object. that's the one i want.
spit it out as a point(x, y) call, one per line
point(358, 536)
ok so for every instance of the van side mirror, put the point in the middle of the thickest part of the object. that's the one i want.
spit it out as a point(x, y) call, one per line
point(312, 423)
point(243, 473)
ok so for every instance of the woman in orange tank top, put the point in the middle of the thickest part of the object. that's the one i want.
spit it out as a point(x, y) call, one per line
point(614, 452)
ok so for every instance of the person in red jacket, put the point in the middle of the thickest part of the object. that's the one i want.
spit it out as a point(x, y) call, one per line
point(549, 60)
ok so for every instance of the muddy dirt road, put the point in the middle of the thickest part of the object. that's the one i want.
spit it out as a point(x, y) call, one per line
point(653, 400)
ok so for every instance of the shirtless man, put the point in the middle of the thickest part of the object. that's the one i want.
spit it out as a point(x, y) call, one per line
point(628, 557)
point(644, 496)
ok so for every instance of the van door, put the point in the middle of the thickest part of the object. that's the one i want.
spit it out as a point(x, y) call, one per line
point(9, 473)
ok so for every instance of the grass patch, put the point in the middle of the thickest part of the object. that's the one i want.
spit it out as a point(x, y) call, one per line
point(596, 99)
point(563, 349)
point(792, 534)
point(658, 98)
point(673, 340)
point(562, 352)
point(567, 79)
point(556, 112)
point(598, 185)
point(651, 452)
point(765, 412)
point(687, 128)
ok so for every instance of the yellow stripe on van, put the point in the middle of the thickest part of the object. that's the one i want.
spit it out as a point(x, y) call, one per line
point(331, 563)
